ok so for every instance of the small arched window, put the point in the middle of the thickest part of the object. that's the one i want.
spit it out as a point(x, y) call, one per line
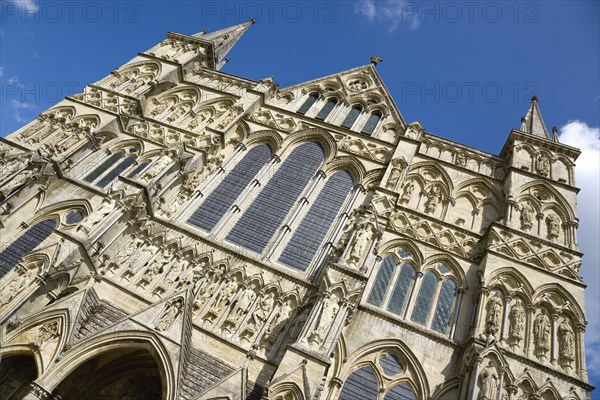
point(352, 117)
point(260, 221)
point(309, 235)
point(326, 110)
point(361, 385)
point(308, 103)
point(24, 244)
point(372, 122)
point(112, 167)
point(137, 170)
point(224, 195)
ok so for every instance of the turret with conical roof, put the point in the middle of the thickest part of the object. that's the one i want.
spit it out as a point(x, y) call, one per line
point(223, 40)
point(533, 123)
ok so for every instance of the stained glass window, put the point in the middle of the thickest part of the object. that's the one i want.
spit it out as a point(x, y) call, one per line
point(444, 306)
point(102, 168)
point(74, 217)
point(224, 195)
point(116, 171)
point(136, 171)
point(260, 221)
point(425, 298)
point(326, 110)
point(400, 392)
point(308, 103)
point(24, 244)
point(309, 235)
point(360, 385)
point(391, 365)
point(382, 280)
point(399, 294)
point(371, 123)
point(351, 117)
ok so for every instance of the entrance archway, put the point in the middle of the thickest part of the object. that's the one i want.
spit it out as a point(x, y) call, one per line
point(114, 375)
point(16, 374)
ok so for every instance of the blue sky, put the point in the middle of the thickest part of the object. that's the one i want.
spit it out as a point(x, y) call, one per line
point(465, 70)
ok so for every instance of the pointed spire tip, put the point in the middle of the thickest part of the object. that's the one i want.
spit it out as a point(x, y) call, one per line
point(534, 98)
point(253, 21)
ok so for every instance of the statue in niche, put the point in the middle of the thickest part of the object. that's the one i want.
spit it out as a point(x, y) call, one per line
point(395, 174)
point(163, 162)
point(14, 165)
point(170, 313)
point(434, 197)
point(231, 115)
point(15, 286)
point(553, 222)
point(517, 322)
point(137, 84)
point(18, 181)
point(178, 112)
point(242, 305)
point(277, 324)
point(542, 164)
point(122, 78)
point(107, 206)
point(128, 251)
point(172, 275)
point(259, 316)
point(541, 334)
point(495, 311)
point(206, 291)
point(222, 300)
point(328, 313)
point(30, 130)
point(160, 106)
point(47, 332)
point(489, 383)
point(409, 187)
point(156, 267)
point(460, 160)
point(202, 116)
point(130, 271)
point(361, 244)
point(527, 214)
point(566, 342)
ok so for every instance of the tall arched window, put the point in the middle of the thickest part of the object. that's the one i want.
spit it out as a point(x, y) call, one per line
point(137, 170)
point(260, 221)
point(224, 195)
point(112, 167)
point(361, 385)
point(425, 298)
point(382, 281)
point(372, 123)
point(351, 117)
point(308, 103)
point(326, 110)
point(102, 168)
point(403, 283)
point(309, 235)
point(441, 318)
point(24, 244)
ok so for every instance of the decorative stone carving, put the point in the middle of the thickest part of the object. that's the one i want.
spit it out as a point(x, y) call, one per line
point(169, 315)
point(494, 315)
point(361, 243)
point(163, 162)
point(409, 187)
point(434, 197)
point(206, 291)
point(259, 316)
point(460, 160)
point(541, 334)
point(489, 383)
point(159, 107)
point(16, 285)
point(356, 85)
point(517, 323)
point(222, 300)
point(242, 305)
point(18, 181)
point(566, 344)
point(542, 164)
point(107, 206)
point(47, 332)
point(527, 215)
point(231, 115)
point(178, 111)
point(553, 222)
point(398, 166)
point(277, 324)
point(327, 316)
point(15, 164)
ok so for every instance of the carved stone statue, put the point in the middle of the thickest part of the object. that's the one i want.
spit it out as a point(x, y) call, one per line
point(128, 251)
point(328, 314)
point(434, 197)
point(156, 168)
point(170, 313)
point(259, 316)
point(494, 311)
point(517, 322)
point(205, 292)
point(242, 305)
point(541, 334)
point(98, 215)
point(542, 165)
point(17, 181)
point(278, 322)
point(395, 174)
point(15, 286)
point(222, 300)
point(460, 160)
point(553, 222)
point(360, 245)
point(527, 215)
point(409, 187)
point(489, 383)
point(566, 343)
point(47, 332)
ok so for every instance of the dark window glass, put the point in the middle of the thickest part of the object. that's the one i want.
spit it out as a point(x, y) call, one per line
point(391, 365)
point(351, 117)
point(400, 392)
point(307, 239)
point(444, 306)
point(361, 385)
point(326, 110)
point(425, 298)
point(74, 217)
point(224, 195)
point(24, 244)
point(136, 171)
point(116, 171)
point(371, 123)
point(260, 221)
point(399, 295)
point(102, 168)
point(382, 280)
point(308, 103)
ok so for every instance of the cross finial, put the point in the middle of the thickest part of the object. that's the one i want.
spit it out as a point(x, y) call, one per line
point(376, 60)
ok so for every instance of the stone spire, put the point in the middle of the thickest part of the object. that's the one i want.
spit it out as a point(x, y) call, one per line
point(533, 123)
point(224, 39)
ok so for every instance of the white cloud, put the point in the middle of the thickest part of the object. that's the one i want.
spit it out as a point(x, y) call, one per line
point(587, 138)
point(13, 80)
point(391, 13)
point(1, 72)
point(28, 6)
point(19, 108)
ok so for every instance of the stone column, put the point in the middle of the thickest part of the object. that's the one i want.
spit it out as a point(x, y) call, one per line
point(413, 292)
point(503, 333)
point(580, 352)
point(475, 374)
point(461, 292)
point(484, 292)
point(554, 340)
point(529, 343)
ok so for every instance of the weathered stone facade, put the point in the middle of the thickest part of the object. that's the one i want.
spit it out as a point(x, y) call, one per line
point(175, 232)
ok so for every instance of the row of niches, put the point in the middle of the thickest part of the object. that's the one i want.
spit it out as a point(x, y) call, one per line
point(233, 300)
point(545, 324)
point(544, 163)
point(178, 50)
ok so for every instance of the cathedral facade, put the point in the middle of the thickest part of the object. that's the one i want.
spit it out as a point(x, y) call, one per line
point(176, 232)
